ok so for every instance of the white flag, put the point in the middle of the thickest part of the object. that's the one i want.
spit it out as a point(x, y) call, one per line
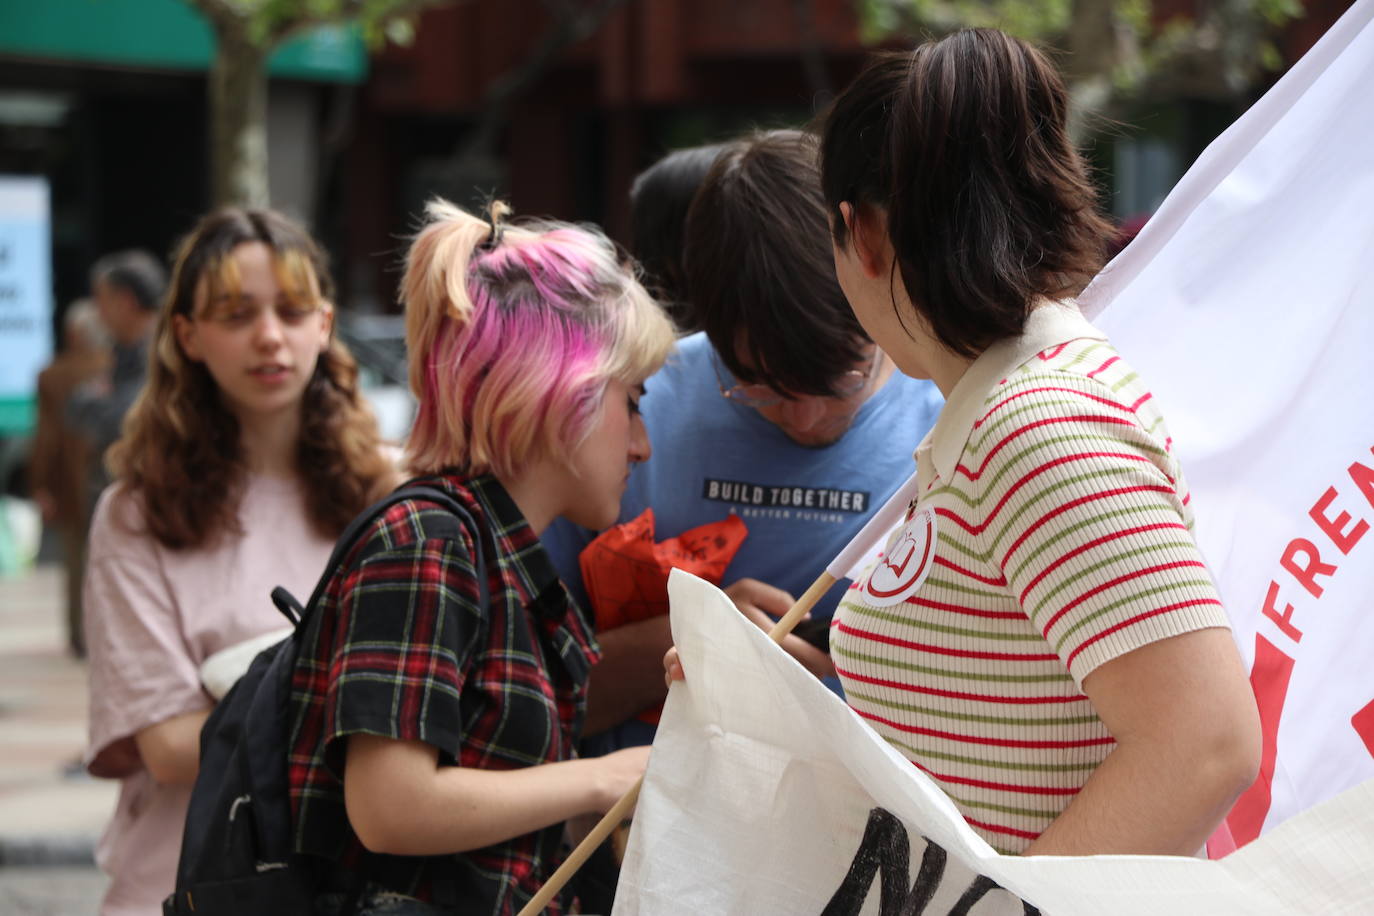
point(1248, 303)
point(767, 796)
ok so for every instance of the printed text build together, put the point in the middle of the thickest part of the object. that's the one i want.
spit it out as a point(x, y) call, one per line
point(755, 494)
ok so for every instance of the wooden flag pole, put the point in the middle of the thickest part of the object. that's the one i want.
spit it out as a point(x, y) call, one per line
point(803, 607)
point(612, 818)
point(622, 808)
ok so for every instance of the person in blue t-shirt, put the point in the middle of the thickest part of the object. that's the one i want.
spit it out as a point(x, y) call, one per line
point(781, 411)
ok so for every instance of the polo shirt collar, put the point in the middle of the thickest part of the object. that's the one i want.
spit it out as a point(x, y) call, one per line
point(1047, 326)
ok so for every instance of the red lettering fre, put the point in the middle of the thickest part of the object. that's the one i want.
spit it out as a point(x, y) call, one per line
point(1364, 479)
point(1335, 528)
point(1282, 619)
point(1306, 575)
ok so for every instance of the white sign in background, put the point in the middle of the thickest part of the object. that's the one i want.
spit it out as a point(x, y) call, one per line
point(26, 343)
point(1248, 303)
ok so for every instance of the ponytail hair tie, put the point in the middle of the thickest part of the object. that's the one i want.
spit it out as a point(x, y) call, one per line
point(497, 211)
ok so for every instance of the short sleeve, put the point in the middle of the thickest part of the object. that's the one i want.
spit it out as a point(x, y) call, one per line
point(141, 669)
point(1090, 528)
point(410, 624)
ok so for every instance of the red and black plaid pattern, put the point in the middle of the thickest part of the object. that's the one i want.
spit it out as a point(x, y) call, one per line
point(401, 647)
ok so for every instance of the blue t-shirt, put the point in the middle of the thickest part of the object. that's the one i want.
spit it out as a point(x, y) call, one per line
point(712, 456)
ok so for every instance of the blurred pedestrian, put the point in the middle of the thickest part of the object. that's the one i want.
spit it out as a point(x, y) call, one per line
point(127, 288)
point(242, 460)
point(59, 466)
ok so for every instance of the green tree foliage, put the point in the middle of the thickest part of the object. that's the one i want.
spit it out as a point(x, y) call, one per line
point(271, 21)
point(1113, 52)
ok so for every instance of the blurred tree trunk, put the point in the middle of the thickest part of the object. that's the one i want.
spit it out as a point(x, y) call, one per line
point(238, 122)
point(1101, 50)
point(246, 34)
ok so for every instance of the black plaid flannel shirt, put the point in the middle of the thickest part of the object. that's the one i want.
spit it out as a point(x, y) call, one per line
point(401, 648)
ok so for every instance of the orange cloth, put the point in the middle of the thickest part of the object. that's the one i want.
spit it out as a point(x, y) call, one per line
point(625, 571)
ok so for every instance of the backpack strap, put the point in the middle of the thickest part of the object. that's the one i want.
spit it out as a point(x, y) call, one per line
point(358, 527)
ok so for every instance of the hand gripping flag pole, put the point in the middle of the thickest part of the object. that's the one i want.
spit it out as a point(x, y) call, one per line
point(842, 567)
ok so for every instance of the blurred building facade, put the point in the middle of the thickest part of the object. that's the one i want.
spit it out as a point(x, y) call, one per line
point(655, 75)
point(106, 99)
point(555, 103)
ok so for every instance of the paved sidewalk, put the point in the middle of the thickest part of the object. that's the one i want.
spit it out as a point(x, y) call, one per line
point(51, 813)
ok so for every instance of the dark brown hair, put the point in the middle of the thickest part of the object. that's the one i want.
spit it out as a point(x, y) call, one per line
point(180, 452)
point(136, 272)
point(760, 270)
point(962, 143)
point(659, 200)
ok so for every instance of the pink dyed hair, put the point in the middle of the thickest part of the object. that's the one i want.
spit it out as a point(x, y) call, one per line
point(511, 347)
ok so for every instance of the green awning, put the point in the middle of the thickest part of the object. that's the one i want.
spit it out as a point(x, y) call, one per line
point(162, 34)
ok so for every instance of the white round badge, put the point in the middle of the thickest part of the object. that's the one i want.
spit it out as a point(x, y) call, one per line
point(901, 570)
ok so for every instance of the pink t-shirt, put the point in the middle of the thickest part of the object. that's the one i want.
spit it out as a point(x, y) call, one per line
point(152, 616)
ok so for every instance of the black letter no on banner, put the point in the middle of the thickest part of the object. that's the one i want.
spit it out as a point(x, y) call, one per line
point(886, 852)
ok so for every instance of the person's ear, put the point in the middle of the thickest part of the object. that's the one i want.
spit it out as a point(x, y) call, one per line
point(867, 230)
point(847, 217)
point(326, 323)
point(185, 331)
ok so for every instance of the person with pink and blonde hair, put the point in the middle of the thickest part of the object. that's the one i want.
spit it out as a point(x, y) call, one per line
point(441, 688)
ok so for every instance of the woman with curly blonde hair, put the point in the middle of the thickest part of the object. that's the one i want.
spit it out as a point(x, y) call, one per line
point(246, 454)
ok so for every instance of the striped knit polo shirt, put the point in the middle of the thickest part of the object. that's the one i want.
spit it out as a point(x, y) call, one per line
point(1052, 534)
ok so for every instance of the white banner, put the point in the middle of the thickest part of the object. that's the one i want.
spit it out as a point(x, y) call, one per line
point(1248, 304)
point(766, 794)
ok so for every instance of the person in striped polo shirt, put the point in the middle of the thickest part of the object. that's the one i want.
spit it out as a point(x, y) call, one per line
point(1042, 637)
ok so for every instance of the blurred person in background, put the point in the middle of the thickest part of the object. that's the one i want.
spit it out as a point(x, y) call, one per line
point(244, 457)
point(127, 288)
point(59, 466)
point(659, 200)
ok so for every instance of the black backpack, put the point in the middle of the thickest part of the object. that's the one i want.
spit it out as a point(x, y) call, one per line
point(236, 850)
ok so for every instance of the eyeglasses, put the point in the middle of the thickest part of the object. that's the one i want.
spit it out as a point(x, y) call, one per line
point(849, 384)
